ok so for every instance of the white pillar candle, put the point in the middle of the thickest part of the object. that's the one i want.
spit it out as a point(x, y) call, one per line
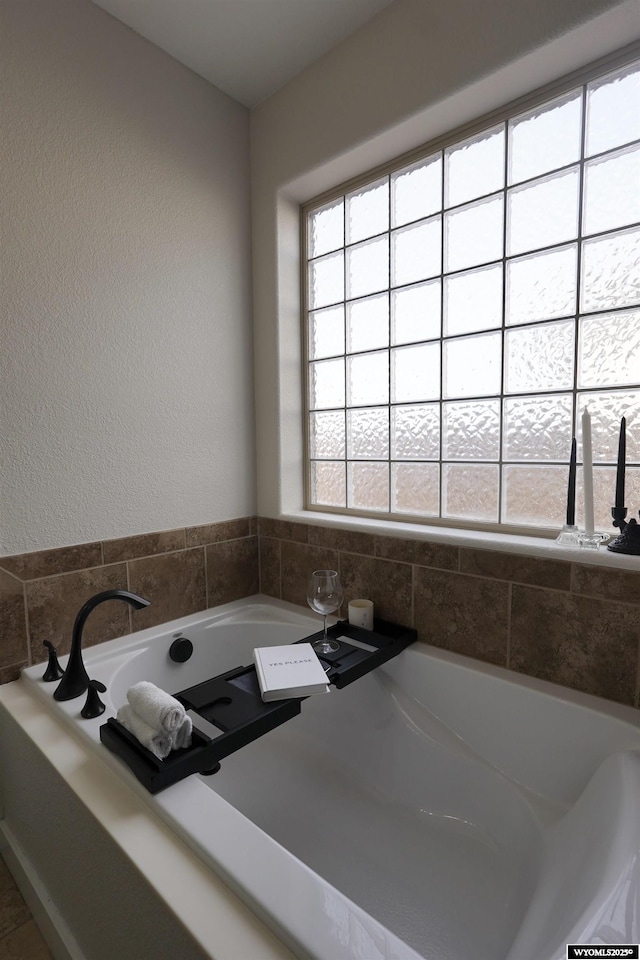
point(587, 472)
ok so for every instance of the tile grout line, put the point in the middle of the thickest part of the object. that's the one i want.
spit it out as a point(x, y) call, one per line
point(206, 578)
point(279, 569)
point(259, 564)
point(509, 612)
point(413, 596)
point(129, 609)
point(127, 560)
point(27, 630)
point(10, 573)
point(100, 544)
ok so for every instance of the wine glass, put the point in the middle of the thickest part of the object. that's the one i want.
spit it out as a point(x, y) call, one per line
point(324, 595)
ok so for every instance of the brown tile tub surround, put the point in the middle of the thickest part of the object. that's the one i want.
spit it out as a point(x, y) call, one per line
point(570, 623)
point(580, 642)
point(13, 626)
point(53, 602)
point(468, 615)
point(179, 571)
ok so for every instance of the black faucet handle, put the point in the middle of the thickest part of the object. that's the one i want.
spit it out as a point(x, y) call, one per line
point(54, 671)
point(94, 706)
point(76, 679)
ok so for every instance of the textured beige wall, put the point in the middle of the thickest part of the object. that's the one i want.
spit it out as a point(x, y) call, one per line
point(125, 387)
point(414, 72)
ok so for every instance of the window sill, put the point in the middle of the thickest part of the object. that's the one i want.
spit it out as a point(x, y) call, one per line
point(473, 539)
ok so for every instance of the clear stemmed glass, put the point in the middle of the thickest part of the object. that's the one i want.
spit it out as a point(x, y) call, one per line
point(324, 595)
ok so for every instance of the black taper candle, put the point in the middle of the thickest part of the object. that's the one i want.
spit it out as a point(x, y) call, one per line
point(571, 489)
point(622, 454)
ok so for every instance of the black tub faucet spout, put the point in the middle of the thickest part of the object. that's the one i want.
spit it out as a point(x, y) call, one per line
point(76, 679)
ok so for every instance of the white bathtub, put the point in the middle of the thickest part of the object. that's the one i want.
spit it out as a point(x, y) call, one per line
point(436, 808)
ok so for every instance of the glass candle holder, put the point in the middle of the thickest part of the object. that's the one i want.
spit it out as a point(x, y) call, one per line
point(568, 536)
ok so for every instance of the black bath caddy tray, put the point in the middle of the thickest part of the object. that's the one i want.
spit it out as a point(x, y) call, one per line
point(232, 703)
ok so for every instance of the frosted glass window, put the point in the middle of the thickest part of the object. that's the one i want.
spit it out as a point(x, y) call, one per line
point(471, 430)
point(415, 312)
point(368, 323)
point(609, 349)
point(470, 491)
point(368, 486)
point(474, 168)
point(473, 234)
point(416, 191)
point(368, 267)
point(416, 252)
point(368, 211)
point(328, 483)
point(542, 286)
point(462, 308)
point(326, 332)
point(611, 271)
point(537, 428)
point(539, 358)
point(368, 433)
point(543, 213)
point(612, 191)
point(606, 409)
point(613, 111)
point(545, 138)
point(326, 229)
point(472, 366)
point(327, 435)
point(326, 280)
point(326, 384)
point(415, 432)
point(415, 488)
point(534, 495)
point(415, 373)
point(368, 379)
point(473, 301)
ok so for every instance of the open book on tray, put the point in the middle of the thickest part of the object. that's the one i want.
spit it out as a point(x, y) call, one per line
point(288, 671)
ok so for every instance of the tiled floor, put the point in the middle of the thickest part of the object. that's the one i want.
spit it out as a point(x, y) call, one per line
point(20, 938)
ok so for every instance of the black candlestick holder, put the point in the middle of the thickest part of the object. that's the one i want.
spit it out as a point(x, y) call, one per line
point(629, 539)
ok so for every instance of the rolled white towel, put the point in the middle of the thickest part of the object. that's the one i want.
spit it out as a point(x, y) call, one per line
point(182, 736)
point(159, 742)
point(157, 708)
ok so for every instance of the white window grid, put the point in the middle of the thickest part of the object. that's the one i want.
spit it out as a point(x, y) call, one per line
point(433, 469)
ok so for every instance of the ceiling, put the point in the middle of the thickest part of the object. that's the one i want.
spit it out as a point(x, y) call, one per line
point(247, 48)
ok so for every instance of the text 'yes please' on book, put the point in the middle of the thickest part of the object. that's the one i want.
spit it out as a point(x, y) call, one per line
point(289, 671)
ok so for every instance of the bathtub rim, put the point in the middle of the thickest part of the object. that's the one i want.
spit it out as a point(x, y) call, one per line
point(298, 614)
point(293, 613)
point(256, 607)
point(256, 887)
point(219, 921)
